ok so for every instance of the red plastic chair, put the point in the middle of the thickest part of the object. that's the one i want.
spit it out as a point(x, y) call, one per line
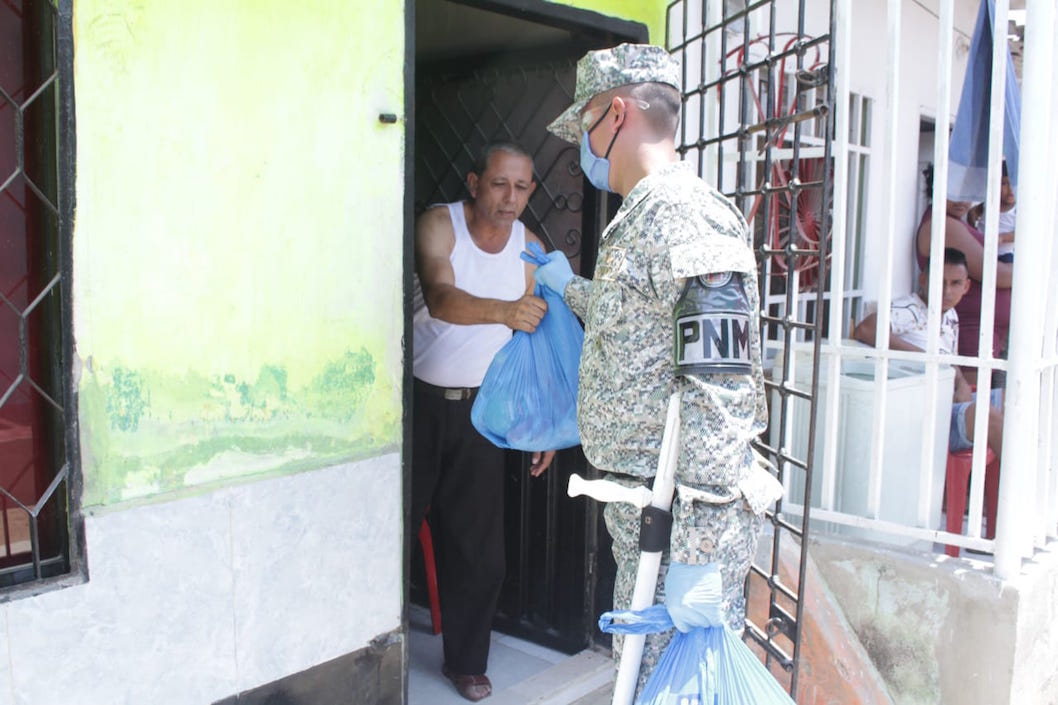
point(426, 541)
point(956, 484)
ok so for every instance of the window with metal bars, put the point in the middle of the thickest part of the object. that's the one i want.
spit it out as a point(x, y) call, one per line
point(37, 412)
point(777, 231)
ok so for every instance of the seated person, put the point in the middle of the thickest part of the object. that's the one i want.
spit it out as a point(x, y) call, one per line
point(958, 233)
point(908, 317)
point(1007, 215)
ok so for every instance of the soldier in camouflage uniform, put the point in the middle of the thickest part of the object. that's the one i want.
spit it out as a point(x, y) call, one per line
point(673, 306)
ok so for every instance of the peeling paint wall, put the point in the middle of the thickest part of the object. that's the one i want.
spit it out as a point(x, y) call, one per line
point(238, 239)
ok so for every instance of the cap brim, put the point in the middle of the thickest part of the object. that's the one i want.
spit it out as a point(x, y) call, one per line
point(567, 125)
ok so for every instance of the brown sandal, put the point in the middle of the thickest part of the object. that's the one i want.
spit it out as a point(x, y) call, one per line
point(472, 688)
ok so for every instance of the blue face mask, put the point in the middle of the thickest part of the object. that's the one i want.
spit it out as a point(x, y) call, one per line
point(597, 169)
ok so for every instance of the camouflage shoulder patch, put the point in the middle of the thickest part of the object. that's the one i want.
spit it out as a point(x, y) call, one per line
point(611, 263)
point(719, 253)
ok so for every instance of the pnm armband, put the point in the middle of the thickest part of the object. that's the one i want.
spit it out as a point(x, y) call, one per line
point(712, 320)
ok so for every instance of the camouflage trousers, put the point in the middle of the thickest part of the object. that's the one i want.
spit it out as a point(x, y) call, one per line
point(725, 534)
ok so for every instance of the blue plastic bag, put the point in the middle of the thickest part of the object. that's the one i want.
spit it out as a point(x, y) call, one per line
point(708, 664)
point(711, 666)
point(528, 399)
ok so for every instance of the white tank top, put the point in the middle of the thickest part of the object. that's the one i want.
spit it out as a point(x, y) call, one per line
point(449, 355)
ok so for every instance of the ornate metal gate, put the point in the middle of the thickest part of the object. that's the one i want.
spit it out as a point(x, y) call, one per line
point(758, 120)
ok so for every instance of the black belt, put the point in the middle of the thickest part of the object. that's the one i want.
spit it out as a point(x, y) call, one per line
point(447, 393)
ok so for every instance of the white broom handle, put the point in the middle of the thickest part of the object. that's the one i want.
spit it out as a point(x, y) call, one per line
point(649, 563)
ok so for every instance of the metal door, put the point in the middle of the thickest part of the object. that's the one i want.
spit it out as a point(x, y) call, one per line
point(758, 121)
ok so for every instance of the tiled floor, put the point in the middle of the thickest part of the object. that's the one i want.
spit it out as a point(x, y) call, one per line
point(521, 673)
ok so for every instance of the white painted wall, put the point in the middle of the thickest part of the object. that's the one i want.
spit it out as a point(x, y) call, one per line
point(198, 599)
point(917, 97)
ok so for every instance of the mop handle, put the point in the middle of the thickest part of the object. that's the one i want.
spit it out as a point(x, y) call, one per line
point(649, 562)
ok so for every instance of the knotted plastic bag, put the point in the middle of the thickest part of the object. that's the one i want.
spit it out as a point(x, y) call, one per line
point(705, 663)
point(528, 398)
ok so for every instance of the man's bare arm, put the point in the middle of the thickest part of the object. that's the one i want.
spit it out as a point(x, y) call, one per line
point(866, 332)
point(956, 235)
point(434, 241)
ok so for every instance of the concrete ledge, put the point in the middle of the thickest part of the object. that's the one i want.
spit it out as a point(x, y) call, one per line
point(562, 684)
point(938, 629)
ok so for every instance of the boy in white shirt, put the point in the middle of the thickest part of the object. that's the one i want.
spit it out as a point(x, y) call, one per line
point(908, 317)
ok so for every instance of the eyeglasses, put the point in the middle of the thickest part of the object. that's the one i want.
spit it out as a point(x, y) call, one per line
point(589, 116)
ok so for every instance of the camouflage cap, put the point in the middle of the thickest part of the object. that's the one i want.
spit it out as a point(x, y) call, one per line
point(601, 70)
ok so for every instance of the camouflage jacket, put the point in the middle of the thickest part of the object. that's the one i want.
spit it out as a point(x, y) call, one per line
point(671, 226)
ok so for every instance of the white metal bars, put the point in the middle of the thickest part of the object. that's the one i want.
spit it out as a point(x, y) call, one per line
point(1032, 331)
point(1040, 487)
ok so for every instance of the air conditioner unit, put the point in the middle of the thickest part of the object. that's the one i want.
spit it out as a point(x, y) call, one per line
point(905, 428)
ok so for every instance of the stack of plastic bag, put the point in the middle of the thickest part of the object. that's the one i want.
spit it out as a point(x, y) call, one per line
point(705, 663)
point(528, 398)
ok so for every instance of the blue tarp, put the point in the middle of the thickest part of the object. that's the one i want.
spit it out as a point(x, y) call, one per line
point(968, 150)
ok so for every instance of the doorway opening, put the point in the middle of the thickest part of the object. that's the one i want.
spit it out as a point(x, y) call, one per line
point(490, 70)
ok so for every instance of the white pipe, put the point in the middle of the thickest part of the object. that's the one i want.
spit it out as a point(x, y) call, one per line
point(945, 42)
point(996, 119)
point(1046, 525)
point(1021, 419)
point(843, 57)
point(711, 64)
point(649, 562)
point(885, 293)
point(1049, 515)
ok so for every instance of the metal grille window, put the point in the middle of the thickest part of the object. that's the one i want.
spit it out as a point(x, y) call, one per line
point(859, 155)
point(759, 121)
point(36, 414)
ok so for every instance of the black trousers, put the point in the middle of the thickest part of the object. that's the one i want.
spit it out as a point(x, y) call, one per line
point(459, 475)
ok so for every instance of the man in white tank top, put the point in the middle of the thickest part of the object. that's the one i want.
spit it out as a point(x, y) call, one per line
point(471, 290)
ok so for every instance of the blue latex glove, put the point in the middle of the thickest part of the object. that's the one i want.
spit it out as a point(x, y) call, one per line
point(552, 268)
point(694, 595)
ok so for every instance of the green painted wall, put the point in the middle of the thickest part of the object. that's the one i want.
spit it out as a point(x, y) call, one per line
point(238, 239)
point(238, 236)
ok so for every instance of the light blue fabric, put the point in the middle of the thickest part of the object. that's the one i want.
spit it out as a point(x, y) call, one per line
point(694, 595)
point(552, 269)
point(968, 149)
point(597, 169)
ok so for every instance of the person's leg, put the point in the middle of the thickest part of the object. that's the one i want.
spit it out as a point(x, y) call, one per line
point(726, 534)
point(966, 426)
point(470, 542)
point(428, 420)
point(995, 431)
point(957, 438)
point(961, 438)
point(995, 422)
point(969, 421)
